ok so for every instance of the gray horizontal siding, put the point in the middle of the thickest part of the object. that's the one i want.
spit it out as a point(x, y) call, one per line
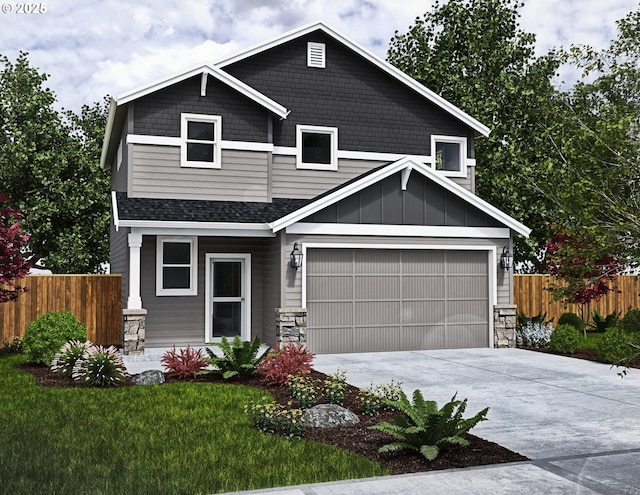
point(181, 319)
point(156, 173)
point(289, 182)
point(119, 259)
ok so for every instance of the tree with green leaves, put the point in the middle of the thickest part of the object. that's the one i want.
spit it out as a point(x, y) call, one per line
point(49, 165)
point(474, 54)
point(595, 135)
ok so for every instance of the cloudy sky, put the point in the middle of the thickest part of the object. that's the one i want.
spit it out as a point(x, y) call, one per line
point(93, 48)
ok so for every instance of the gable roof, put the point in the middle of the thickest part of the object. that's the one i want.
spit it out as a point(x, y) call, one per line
point(118, 104)
point(405, 165)
point(367, 55)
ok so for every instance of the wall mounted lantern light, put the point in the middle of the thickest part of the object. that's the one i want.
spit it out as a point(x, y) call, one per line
point(296, 256)
point(506, 259)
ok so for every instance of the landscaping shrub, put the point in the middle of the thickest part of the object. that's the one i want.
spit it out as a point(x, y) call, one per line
point(379, 396)
point(535, 335)
point(565, 338)
point(100, 367)
point(185, 364)
point(601, 323)
point(270, 417)
point(522, 319)
point(572, 319)
point(423, 427)
point(239, 358)
point(289, 359)
point(631, 321)
point(304, 390)
point(48, 333)
point(335, 386)
point(65, 360)
point(616, 346)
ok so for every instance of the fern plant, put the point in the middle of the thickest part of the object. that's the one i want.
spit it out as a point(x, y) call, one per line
point(422, 427)
point(240, 358)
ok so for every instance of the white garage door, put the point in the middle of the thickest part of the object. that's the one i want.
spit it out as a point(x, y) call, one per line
point(362, 300)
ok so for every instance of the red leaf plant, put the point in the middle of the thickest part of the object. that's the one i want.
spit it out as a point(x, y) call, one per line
point(185, 364)
point(13, 242)
point(279, 363)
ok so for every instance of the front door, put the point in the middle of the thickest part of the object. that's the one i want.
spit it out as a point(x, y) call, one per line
point(228, 284)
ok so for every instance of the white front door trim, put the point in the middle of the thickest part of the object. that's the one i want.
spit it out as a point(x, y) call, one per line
point(245, 258)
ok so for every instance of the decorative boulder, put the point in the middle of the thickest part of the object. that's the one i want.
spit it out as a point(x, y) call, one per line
point(149, 377)
point(329, 416)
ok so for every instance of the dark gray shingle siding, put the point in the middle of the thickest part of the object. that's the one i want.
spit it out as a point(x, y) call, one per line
point(373, 111)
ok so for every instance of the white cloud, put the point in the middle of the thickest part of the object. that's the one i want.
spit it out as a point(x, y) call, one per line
point(92, 48)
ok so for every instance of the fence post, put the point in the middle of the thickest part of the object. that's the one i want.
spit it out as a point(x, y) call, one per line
point(504, 325)
point(133, 331)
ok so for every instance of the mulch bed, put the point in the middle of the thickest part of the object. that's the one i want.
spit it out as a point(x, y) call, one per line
point(356, 438)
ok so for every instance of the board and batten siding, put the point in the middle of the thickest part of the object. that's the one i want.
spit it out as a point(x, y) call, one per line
point(293, 292)
point(156, 173)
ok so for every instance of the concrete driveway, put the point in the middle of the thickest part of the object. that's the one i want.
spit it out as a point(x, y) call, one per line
point(577, 421)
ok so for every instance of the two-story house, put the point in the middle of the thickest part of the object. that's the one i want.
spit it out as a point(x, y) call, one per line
point(304, 189)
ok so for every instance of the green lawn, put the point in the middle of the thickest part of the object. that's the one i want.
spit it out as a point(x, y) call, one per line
point(172, 438)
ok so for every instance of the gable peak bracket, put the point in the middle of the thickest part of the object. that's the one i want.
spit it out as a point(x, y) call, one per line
point(203, 83)
point(405, 176)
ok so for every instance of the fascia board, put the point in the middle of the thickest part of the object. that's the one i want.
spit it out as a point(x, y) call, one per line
point(215, 72)
point(111, 117)
point(367, 55)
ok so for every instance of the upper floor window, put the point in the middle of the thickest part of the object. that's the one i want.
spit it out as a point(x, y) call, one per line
point(317, 147)
point(449, 154)
point(201, 136)
point(176, 265)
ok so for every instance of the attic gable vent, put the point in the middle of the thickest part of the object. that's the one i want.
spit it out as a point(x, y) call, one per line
point(316, 55)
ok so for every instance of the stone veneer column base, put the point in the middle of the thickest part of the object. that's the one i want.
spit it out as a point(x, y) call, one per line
point(133, 331)
point(504, 325)
point(291, 326)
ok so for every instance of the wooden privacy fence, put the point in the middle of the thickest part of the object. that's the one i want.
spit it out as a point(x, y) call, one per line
point(94, 299)
point(532, 297)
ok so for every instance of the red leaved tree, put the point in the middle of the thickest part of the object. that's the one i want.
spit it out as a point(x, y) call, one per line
point(585, 266)
point(13, 266)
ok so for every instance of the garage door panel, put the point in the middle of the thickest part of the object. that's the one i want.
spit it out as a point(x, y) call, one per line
point(425, 336)
point(377, 312)
point(423, 287)
point(376, 261)
point(376, 287)
point(467, 287)
point(467, 312)
point(467, 262)
point(416, 312)
point(326, 288)
point(464, 336)
point(328, 314)
point(331, 261)
point(377, 338)
point(423, 262)
point(329, 339)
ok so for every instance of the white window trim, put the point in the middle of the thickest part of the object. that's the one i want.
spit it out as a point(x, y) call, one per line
point(193, 289)
point(462, 141)
point(193, 117)
point(333, 132)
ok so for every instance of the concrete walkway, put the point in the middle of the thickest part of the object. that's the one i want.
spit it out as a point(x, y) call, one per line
point(577, 421)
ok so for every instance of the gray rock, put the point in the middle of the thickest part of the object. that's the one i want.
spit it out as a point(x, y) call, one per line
point(329, 416)
point(149, 377)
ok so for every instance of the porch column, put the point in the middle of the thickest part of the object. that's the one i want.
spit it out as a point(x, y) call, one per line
point(291, 326)
point(504, 325)
point(135, 243)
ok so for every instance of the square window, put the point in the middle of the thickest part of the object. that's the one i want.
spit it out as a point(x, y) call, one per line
point(201, 136)
point(176, 266)
point(317, 147)
point(449, 155)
